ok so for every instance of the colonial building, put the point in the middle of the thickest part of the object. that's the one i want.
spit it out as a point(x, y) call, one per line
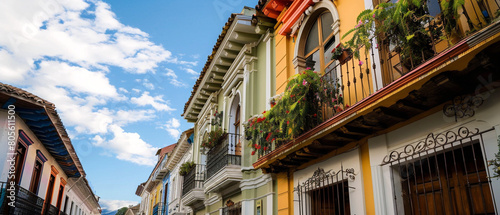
point(181, 180)
point(409, 121)
point(237, 80)
point(41, 173)
point(154, 191)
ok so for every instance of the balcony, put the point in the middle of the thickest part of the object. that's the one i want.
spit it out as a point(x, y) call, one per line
point(224, 164)
point(51, 210)
point(192, 188)
point(403, 87)
point(234, 209)
point(158, 209)
point(25, 203)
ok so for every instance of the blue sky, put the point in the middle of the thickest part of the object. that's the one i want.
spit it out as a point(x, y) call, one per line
point(118, 71)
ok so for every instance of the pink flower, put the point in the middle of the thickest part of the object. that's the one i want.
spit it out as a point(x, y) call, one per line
point(373, 15)
point(376, 46)
point(360, 63)
point(304, 82)
point(308, 68)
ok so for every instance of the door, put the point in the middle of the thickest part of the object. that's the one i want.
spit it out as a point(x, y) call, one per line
point(48, 196)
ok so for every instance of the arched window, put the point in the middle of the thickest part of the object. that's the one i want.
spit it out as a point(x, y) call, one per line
point(319, 42)
point(234, 125)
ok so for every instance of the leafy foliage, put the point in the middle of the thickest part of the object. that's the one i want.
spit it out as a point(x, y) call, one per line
point(121, 211)
point(298, 111)
point(214, 138)
point(496, 162)
point(406, 24)
point(186, 168)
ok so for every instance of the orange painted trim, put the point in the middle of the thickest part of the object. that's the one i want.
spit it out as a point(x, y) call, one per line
point(367, 179)
point(63, 182)
point(274, 7)
point(293, 14)
point(53, 170)
point(415, 74)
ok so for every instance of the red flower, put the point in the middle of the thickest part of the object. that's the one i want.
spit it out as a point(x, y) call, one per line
point(264, 112)
point(253, 152)
point(287, 111)
point(287, 122)
point(314, 115)
point(257, 147)
point(265, 148)
point(268, 136)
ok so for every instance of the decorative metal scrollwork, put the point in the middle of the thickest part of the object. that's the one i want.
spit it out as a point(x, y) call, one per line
point(319, 177)
point(432, 141)
point(463, 106)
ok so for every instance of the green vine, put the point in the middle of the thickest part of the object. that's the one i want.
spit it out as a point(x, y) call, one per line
point(298, 111)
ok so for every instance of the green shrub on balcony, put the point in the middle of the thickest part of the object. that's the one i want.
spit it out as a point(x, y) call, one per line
point(215, 137)
point(496, 162)
point(186, 168)
point(298, 110)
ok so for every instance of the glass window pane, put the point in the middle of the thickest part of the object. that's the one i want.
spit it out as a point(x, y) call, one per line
point(312, 38)
point(329, 46)
point(313, 61)
point(326, 25)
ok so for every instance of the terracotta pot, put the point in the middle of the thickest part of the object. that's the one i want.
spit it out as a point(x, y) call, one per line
point(346, 56)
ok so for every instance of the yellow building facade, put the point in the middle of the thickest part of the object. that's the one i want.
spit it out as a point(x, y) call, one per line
point(392, 102)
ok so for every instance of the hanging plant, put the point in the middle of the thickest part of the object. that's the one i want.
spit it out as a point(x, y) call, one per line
point(341, 53)
point(186, 168)
point(298, 110)
point(496, 162)
point(215, 137)
point(403, 24)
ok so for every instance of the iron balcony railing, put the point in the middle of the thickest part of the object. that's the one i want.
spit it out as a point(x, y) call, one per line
point(26, 202)
point(194, 178)
point(355, 80)
point(51, 210)
point(226, 153)
point(234, 209)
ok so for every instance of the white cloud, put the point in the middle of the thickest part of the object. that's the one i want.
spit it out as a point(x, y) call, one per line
point(128, 146)
point(112, 205)
point(172, 127)
point(52, 50)
point(148, 84)
point(156, 102)
point(173, 78)
point(191, 71)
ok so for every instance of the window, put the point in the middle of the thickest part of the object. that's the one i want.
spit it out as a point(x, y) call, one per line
point(59, 197)
point(35, 178)
point(325, 193)
point(320, 43)
point(20, 154)
point(451, 181)
point(65, 204)
point(71, 208)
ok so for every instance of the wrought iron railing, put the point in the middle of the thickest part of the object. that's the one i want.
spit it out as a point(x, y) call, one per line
point(51, 210)
point(356, 79)
point(26, 202)
point(325, 193)
point(234, 209)
point(226, 153)
point(194, 178)
point(158, 209)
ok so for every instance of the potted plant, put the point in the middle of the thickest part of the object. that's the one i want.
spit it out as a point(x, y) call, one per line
point(186, 168)
point(341, 53)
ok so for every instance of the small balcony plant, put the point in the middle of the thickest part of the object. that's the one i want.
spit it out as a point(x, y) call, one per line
point(341, 53)
point(185, 168)
point(496, 162)
point(215, 137)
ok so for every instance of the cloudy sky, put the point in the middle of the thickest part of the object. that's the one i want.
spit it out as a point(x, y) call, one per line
point(118, 71)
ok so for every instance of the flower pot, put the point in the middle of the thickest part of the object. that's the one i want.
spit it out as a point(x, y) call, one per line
point(346, 56)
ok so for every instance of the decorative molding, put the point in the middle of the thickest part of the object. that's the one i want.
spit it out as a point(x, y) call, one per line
point(228, 174)
point(63, 182)
point(257, 182)
point(40, 156)
point(212, 200)
point(24, 139)
point(53, 170)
